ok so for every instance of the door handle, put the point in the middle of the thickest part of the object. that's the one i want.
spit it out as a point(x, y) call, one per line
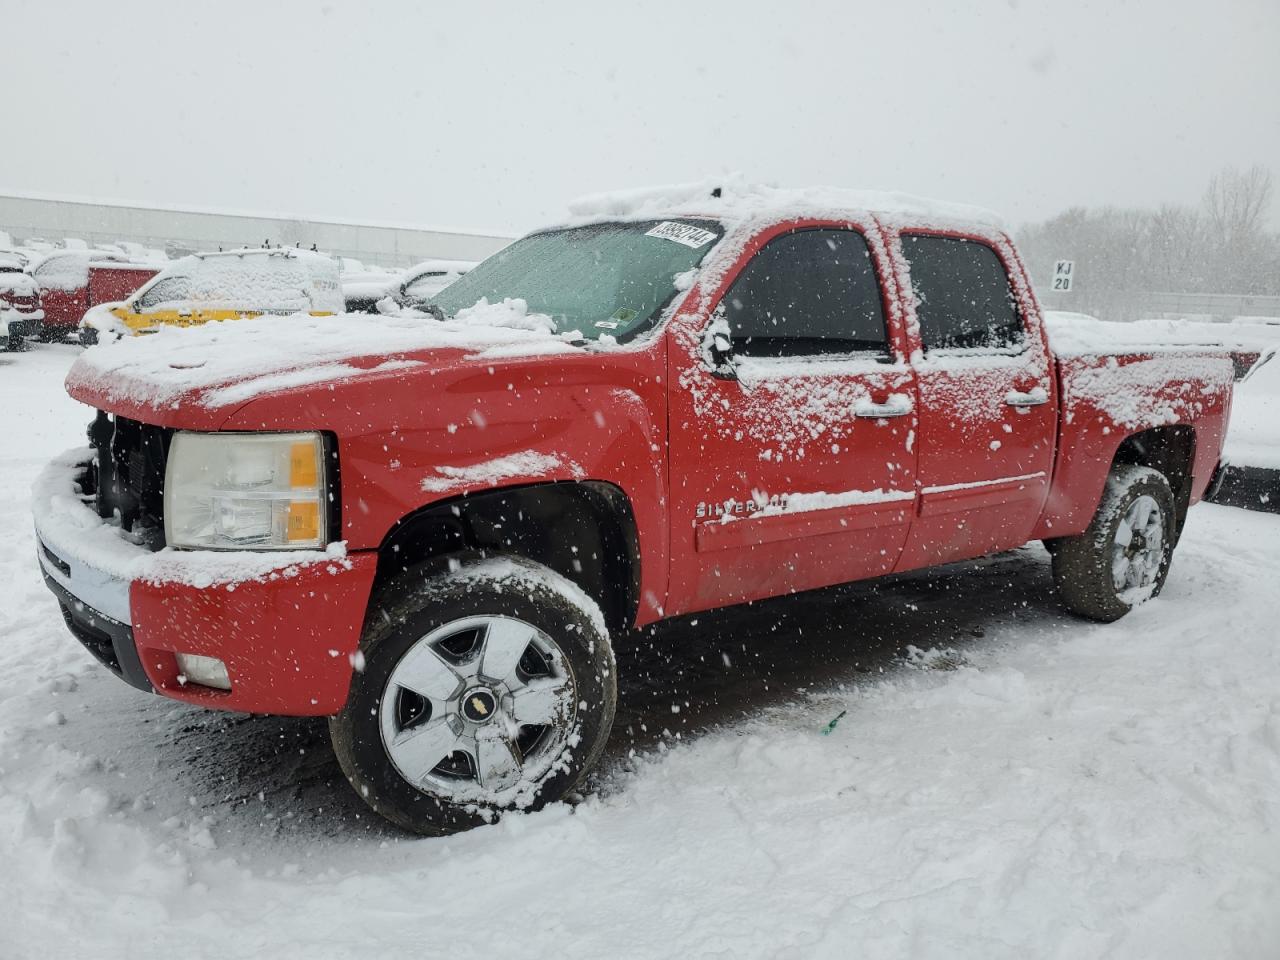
point(1031, 398)
point(896, 406)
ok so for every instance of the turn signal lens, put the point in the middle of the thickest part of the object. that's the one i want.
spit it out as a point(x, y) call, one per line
point(302, 465)
point(304, 522)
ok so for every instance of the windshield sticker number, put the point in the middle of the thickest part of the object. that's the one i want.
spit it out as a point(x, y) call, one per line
point(694, 237)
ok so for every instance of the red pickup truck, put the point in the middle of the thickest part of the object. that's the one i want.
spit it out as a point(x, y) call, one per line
point(430, 527)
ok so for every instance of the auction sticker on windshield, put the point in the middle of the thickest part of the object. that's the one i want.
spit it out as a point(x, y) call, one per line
point(690, 236)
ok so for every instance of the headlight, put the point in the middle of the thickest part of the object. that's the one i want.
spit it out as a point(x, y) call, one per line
point(246, 491)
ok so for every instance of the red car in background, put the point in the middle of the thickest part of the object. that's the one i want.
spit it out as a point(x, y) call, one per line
point(72, 281)
point(20, 313)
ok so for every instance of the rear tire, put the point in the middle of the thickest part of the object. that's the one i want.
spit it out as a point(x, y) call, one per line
point(487, 688)
point(1122, 559)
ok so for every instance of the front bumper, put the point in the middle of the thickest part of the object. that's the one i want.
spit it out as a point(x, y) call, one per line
point(109, 639)
point(15, 325)
point(287, 639)
point(286, 625)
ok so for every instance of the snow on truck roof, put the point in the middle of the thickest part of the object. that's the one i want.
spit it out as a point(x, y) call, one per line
point(732, 198)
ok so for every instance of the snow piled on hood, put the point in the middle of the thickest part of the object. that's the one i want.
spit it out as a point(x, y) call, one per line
point(18, 284)
point(205, 362)
point(511, 313)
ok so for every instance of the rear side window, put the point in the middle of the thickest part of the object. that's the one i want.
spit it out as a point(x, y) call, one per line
point(164, 290)
point(963, 297)
point(807, 293)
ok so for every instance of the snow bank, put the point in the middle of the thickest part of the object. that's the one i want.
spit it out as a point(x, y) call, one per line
point(216, 363)
point(76, 532)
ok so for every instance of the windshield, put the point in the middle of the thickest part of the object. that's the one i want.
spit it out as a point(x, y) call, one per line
point(607, 278)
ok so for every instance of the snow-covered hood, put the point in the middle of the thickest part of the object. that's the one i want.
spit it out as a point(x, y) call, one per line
point(17, 284)
point(174, 375)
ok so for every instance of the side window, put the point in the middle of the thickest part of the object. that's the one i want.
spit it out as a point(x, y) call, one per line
point(806, 293)
point(165, 291)
point(963, 298)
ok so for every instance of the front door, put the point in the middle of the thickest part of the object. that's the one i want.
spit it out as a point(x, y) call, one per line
point(987, 413)
point(791, 448)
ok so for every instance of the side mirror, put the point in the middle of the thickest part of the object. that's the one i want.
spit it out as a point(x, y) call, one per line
point(717, 347)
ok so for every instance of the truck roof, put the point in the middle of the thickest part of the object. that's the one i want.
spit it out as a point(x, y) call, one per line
point(733, 199)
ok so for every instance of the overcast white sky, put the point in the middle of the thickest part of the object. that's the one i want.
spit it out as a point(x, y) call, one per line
point(493, 116)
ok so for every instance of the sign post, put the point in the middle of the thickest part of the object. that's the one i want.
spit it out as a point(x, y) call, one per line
point(1064, 272)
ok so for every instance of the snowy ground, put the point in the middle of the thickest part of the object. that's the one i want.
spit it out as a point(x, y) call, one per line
point(1038, 787)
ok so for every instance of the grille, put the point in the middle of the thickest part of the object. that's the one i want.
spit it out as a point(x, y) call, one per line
point(128, 479)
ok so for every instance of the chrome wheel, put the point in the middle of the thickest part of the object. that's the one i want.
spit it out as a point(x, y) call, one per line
point(478, 708)
point(1138, 550)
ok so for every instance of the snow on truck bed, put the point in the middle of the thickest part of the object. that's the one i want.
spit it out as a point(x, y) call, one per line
point(1140, 375)
point(230, 362)
point(1078, 334)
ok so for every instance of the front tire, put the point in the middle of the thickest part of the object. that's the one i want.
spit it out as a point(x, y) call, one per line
point(1122, 559)
point(488, 688)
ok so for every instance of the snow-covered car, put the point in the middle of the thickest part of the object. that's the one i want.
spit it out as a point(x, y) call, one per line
point(63, 277)
point(421, 282)
point(228, 285)
point(21, 314)
point(363, 287)
point(1250, 476)
point(22, 255)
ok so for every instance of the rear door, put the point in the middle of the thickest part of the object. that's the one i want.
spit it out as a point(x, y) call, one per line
point(793, 468)
point(988, 413)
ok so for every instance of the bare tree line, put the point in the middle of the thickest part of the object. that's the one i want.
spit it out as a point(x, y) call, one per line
point(1222, 246)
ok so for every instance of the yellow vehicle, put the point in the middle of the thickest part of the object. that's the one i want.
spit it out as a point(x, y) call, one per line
point(227, 285)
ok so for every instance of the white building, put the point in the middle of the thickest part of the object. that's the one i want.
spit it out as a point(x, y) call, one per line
point(33, 216)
